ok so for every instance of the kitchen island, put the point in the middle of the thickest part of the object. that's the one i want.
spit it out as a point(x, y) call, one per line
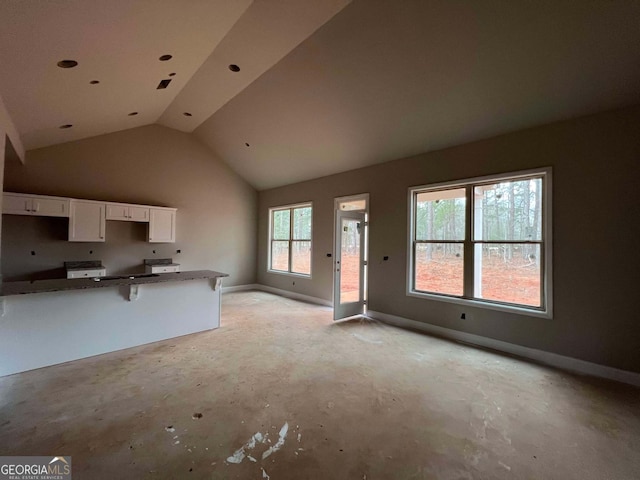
point(46, 322)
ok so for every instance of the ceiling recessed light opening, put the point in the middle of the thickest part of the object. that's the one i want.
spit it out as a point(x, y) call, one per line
point(164, 58)
point(247, 145)
point(163, 84)
point(187, 114)
point(234, 68)
point(172, 74)
point(132, 114)
point(67, 63)
point(94, 82)
point(68, 125)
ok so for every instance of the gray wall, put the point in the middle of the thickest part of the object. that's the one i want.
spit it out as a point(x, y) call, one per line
point(595, 233)
point(153, 165)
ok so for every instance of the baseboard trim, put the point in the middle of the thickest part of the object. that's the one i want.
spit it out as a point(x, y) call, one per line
point(293, 295)
point(278, 291)
point(240, 288)
point(547, 358)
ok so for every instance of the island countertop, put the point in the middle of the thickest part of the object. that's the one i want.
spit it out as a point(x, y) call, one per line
point(62, 284)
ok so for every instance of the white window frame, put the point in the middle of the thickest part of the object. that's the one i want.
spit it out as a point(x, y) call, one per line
point(290, 240)
point(546, 311)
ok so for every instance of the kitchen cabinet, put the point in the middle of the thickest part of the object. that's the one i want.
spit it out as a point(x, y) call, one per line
point(87, 273)
point(127, 213)
point(87, 221)
point(35, 205)
point(170, 268)
point(87, 218)
point(162, 225)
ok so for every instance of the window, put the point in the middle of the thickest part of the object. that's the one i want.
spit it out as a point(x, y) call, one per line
point(290, 239)
point(484, 241)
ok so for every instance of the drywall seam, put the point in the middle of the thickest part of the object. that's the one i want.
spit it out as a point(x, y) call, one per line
point(548, 358)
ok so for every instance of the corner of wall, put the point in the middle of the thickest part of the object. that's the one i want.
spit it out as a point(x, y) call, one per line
point(8, 127)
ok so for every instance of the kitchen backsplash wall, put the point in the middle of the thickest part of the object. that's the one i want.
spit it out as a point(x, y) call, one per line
point(37, 247)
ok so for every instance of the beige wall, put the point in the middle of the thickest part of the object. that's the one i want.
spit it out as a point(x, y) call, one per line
point(154, 165)
point(3, 142)
point(8, 128)
point(595, 162)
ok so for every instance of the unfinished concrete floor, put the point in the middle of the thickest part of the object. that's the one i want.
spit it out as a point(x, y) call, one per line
point(290, 395)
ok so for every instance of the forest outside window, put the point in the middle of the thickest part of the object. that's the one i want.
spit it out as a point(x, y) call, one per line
point(290, 239)
point(484, 240)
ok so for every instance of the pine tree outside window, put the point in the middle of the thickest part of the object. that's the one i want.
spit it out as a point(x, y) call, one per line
point(483, 241)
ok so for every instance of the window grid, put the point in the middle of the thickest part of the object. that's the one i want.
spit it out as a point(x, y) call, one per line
point(292, 238)
point(471, 243)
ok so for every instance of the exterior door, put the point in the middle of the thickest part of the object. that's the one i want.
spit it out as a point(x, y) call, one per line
point(348, 293)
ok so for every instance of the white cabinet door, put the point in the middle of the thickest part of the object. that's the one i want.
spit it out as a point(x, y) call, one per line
point(19, 204)
point(86, 221)
point(162, 225)
point(117, 211)
point(50, 207)
point(139, 214)
point(16, 204)
point(127, 213)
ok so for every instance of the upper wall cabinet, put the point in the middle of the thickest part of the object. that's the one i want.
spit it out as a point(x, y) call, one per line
point(87, 218)
point(162, 225)
point(87, 221)
point(40, 205)
point(127, 213)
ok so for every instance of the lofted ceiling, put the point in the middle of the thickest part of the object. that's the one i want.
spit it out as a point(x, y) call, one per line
point(325, 85)
point(118, 45)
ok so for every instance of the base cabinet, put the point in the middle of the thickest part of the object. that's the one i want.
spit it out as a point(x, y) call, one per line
point(161, 268)
point(88, 273)
point(54, 327)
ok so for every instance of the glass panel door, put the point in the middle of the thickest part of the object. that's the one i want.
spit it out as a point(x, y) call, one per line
point(349, 265)
point(350, 261)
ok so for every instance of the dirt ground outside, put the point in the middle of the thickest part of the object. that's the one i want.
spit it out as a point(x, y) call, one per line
point(512, 281)
point(515, 281)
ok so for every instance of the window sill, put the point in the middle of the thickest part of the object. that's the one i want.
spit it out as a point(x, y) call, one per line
point(529, 312)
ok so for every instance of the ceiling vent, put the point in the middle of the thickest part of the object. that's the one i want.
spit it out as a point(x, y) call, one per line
point(163, 84)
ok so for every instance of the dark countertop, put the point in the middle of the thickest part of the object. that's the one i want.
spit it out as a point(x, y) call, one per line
point(160, 261)
point(62, 284)
point(83, 265)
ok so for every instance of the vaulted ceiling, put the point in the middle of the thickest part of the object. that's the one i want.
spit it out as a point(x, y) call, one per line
point(324, 86)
